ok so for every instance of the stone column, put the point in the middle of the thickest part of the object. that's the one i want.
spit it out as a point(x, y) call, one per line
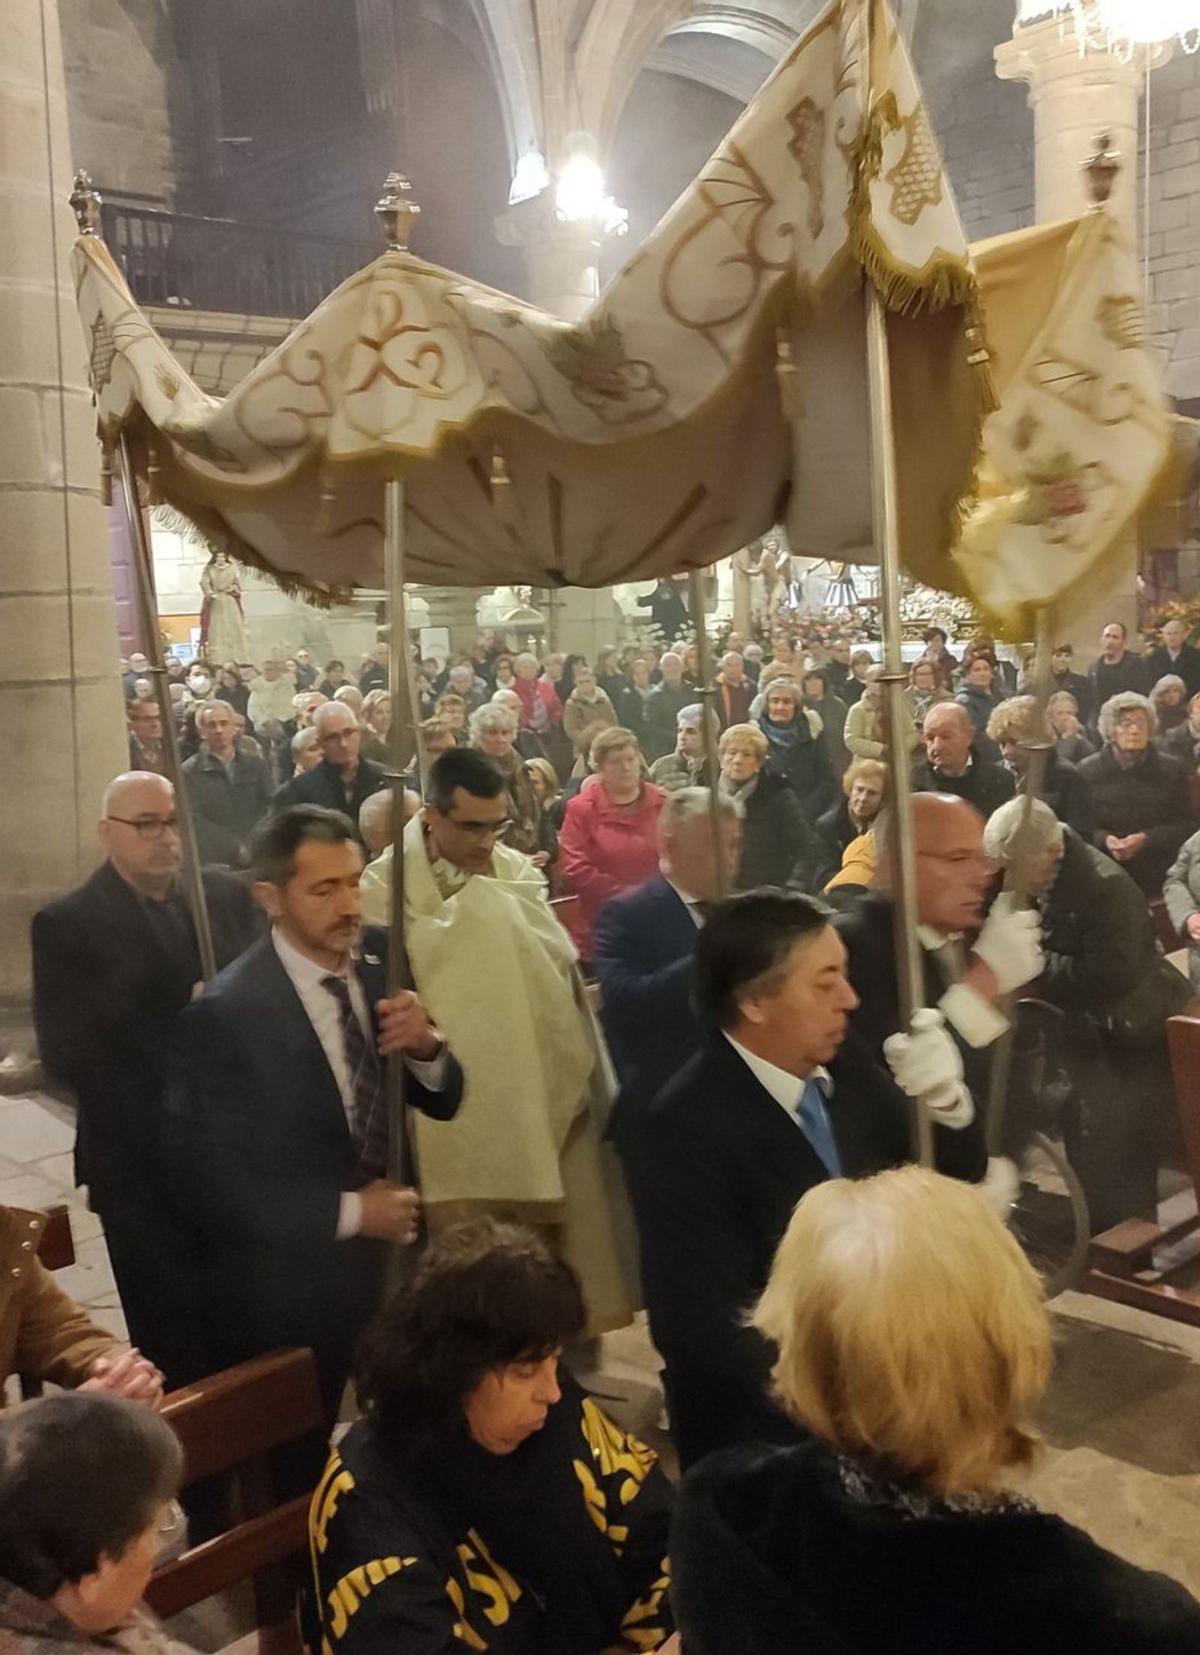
point(1074, 98)
point(61, 719)
point(562, 256)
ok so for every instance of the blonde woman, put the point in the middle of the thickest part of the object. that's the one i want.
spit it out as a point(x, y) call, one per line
point(779, 847)
point(913, 1349)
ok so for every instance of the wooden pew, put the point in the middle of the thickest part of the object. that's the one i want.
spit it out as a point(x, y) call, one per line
point(1148, 1265)
point(230, 1423)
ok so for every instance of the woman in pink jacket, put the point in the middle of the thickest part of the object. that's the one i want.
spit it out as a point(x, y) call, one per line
point(609, 838)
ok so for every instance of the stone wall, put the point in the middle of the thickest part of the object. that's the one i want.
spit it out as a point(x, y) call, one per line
point(1175, 220)
point(126, 101)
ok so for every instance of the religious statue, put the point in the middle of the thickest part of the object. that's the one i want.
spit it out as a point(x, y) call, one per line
point(222, 623)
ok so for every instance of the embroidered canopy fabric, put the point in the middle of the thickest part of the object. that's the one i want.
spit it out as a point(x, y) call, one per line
point(650, 437)
point(1082, 434)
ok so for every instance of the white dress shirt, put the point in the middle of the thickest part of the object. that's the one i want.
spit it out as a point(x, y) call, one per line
point(324, 1013)
point(787, 1089)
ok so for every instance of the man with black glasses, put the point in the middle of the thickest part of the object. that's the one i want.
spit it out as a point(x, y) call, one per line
point(496, 969)
point(114, 963)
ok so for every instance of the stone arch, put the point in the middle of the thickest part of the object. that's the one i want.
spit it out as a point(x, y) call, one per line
point(511, 50)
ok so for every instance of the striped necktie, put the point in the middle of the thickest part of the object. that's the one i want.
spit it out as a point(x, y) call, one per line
point(369, 1115)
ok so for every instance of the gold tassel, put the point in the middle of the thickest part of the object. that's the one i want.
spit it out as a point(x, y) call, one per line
point(503, 502)
point(787, 374)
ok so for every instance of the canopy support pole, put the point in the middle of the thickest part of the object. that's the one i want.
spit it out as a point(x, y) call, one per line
point(399, 975)
point(909, 975)
point(143, 564)
point(708, 692)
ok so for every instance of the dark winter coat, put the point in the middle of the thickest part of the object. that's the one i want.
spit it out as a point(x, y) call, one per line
point(778, 1550)
point(1149, 797)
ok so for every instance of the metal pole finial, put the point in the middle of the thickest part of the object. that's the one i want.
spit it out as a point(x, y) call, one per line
point(396, 211)
point(86, 202)
point(1101, 169)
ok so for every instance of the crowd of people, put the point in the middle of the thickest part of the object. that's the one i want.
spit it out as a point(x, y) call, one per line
point(623, 1087)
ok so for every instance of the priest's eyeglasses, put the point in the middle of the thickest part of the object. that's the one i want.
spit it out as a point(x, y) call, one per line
point(149, 827)
point(482, 830)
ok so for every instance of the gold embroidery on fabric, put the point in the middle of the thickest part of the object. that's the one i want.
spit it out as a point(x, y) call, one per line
point(807, 147)
point(616, 387)
point(916, 179)
point(1089, 392)
point(1121, 320)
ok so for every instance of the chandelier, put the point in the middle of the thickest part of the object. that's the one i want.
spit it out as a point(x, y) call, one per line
point(1123, 27)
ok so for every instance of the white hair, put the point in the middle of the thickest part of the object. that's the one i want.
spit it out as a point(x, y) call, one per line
point(689, 804)
point(489, 718)
point(507, 698)
point(374, 818)
point(1126, 701)
point(329, 710)
point(1169, 681)
point(303, 740)
point(206, 707)
point(1006, 834)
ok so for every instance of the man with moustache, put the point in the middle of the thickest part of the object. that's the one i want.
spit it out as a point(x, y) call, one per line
point(279, 1111)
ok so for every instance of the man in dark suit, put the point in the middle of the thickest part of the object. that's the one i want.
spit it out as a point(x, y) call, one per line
point(961, 760)
point(230, 791)
point(343, 779)
point(645, 941)
point(750, 1124)
point(1116, 669)
point(1174, 655)
point(278, 1110)
point(954, 876)
point(114, 964)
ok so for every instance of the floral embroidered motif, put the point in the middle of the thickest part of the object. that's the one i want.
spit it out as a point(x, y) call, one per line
point(807, 122)
point(1057, 490)
point(617, 387)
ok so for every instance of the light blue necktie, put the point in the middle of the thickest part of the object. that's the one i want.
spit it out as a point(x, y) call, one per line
point(814, 1123)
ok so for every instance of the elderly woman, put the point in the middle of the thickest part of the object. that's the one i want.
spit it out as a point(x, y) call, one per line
point(1071, 740)
point(864, 721)
point(1104, 971)
point(1140, 800)
point(796, 753)
point(779, 847)
point(587, 711)
point(451, 709)
point(1184, 740)
point(509, 1512)
point(913, 1351)
point(863, 789)
point(609, 837)
point(540, 706)
point(504, 673)
point(831, 710)
point(375, 722)
point(1169, 697)
point(494, 733)
point(925, 688)
point(1181, 892)
point(1013, 725)
point(527, 744)
point(87, 1485)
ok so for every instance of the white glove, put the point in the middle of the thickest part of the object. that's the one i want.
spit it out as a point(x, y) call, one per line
point(1011, 944)
point(927, 1064)
point(1000, 1186)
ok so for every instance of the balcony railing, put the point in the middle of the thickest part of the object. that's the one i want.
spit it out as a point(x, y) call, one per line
point(217, 264)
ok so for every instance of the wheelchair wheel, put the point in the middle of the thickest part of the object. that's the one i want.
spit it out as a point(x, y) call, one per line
point(1050, 1218)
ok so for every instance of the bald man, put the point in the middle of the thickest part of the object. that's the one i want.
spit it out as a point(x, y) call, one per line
point(957, 761)
point(114, 963)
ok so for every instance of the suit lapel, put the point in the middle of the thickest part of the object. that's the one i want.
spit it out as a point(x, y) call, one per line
point(778, 1144)
point(296, 1036)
